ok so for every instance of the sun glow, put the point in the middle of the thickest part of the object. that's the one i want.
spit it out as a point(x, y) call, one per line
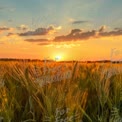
point(57, 58)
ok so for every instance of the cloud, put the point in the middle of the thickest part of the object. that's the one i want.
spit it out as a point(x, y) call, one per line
point(111, 33)
point(11, 34)
point(37, 40)
point(79, 35)
point(76, 22)
point(117, 28)
point(41, 42)
point(79, 22)
point(4, 29)
point(76, 35)
point(22, 27)
point(41, 31)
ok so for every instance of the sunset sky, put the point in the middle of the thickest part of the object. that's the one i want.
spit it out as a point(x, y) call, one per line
point(70, 29)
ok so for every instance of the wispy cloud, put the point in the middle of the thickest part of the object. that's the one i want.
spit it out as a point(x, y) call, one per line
point(80, 22)
point(37, 40)
point(77, 22)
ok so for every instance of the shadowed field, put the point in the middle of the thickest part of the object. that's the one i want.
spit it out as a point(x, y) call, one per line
point(60, 92)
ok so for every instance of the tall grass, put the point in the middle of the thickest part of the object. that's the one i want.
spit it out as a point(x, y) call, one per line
point(89, 94)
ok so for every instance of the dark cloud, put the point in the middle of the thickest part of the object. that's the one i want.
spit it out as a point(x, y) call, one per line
point(117, 28)
point(112, 33)
point(80, 22)
point(39, 31)
point(79, 35)
point(10, 34)
point(4, 29)
point(74, 31)
point(37, 40)
point(75, 35)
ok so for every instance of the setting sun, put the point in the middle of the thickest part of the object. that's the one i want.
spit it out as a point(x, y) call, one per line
point(57, 58)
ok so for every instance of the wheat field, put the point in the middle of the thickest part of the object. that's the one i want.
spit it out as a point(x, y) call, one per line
point(91, 92)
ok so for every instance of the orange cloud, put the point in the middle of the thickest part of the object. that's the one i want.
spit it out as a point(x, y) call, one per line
point(37, 40)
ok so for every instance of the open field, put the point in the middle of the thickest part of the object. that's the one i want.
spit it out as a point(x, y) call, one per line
point(60, 92)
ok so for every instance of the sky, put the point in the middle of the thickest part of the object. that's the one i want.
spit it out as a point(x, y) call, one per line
point(69, 29)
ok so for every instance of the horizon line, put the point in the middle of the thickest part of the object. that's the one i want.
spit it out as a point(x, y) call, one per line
point(15, 59)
